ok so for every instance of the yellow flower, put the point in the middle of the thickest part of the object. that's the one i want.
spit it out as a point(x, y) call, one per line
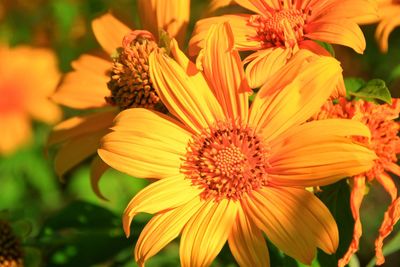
point(228, 171)
point(389, 13)
point(386, 144)
point(118, 82)
point(279, 28)
point(27, 78)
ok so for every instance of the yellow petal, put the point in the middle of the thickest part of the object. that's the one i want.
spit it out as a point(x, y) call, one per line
point(193, 104)
point(97, 169)
point(224, 72)
point(319, 153)
point(86, 86)
point(163, 228)
point(294, 220)
point(81, 125)
point(294, 93)
point(145, 144)
point(206, 233)
point(343, 32)
point(247, 242)
point(244, 33)
point(264, 63)
point(160, 196)
point(76, 150)
point(109, 32)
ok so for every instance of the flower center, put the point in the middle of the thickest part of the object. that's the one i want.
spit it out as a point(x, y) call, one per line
point(130, 83)
point(226, 161)
point(10, 249)
point(281, 28)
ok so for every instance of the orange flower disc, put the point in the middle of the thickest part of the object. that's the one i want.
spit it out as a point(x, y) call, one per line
point(226, 161)
point(130, 84)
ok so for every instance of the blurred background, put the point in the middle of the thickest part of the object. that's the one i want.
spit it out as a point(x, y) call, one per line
point(63, 223)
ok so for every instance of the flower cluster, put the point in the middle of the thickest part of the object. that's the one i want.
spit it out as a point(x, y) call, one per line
point(231, 146)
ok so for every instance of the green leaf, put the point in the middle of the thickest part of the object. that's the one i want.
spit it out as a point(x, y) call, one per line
point(353, 84)
point(392, 246)
point(373, 89)
point(327, 47)
point(82, 234)
point(337, 198)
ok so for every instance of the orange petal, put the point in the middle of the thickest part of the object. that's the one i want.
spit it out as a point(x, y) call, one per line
point(15, 132)
point(44, 110)
point(86, 86)
point(392, 215)
point(387, 182)
point(79, 126)
point(356, 198)
point(294, 93)
point(159, 196)
point(206, 233)
point(224, 72)
point(97, 169)
point(135, 148)
point(385, 27)
point(109, 32)
point(264, 63)
point(76, 150)
point(192, 103)
point(343, 32)
point(247, 242)
point(244, 33)
point(162, 229)
point(294, 220)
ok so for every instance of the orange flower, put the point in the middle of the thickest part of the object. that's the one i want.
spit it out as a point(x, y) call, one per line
point(230, 172)
point(27, 78)
point(281, 27)
point(389, 13)
point(112, 84)
point(386, 144)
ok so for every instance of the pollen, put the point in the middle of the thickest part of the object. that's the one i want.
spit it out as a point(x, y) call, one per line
point(226, 161)
point(281, 28)
point(10, 249)
point(130, 83)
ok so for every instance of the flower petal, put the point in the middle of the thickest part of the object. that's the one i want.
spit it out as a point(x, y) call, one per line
point(44, 110)
point(193, 104)
point(97, 169)
point(294, 93)
point(294, 220)
point(356, 198)
point(206, 233)
point(15, 132)
point(223, 70)
point(385, 27)
point(86, 86)
point(163, 228)
point(264, 63)
point(145, 144)
point(343, 32)
point(159, 196)
point(81, 125)
point(247, 242)
point(76, 150)
point(319, 153)
point(244, 33)
point(109, 32)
